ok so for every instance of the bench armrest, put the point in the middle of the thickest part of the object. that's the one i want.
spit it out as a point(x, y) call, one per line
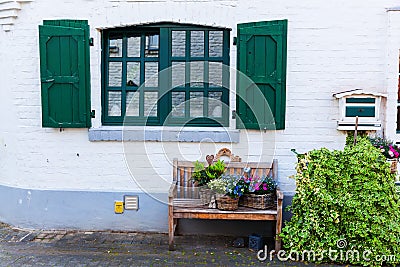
point(279, 194)
point(172, 193)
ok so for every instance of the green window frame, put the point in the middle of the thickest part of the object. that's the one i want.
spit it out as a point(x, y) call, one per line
point(191, 89)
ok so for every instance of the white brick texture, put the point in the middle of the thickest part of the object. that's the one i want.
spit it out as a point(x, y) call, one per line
point(332, 46)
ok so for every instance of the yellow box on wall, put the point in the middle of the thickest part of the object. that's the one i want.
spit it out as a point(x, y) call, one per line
point(118, 207)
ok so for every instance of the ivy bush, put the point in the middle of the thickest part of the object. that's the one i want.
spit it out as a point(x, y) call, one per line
point(345, 201)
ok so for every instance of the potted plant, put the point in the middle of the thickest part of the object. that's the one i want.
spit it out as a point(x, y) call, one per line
point(261, 192)
point(234, 188)
point(389, 149)
point(203, 175)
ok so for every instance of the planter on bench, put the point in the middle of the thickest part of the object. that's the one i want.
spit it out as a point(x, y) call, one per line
point(184, 202)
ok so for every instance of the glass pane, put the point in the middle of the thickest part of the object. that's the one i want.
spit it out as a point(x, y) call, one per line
point(215, 39)
point(133, 73)
point(114, 103)
point(215, 74)
point(134, 46)
point(150, 104)
point(152, 45)
point(196, 73)
point(178, 74)
point(196, 104)
point(178, 104)
point(151, 74)
point(197, 43)
point(178, 43)
point(132, 103)
point(215, 104)
point(114, 73)
point(115, 48)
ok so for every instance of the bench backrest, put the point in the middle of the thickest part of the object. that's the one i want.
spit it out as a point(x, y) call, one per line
point(182, 174)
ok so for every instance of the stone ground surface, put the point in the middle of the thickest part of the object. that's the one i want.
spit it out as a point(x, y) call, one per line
point(74, 248)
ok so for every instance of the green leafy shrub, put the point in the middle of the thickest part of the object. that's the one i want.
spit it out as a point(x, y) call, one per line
point(202, 175)
point(349, 197)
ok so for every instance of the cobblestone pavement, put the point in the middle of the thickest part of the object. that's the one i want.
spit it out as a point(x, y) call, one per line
point(74, 248)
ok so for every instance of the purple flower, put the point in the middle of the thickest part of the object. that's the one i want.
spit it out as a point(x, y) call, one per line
point(265, 187)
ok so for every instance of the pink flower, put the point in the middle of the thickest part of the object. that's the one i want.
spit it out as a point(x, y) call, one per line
point(265, 187)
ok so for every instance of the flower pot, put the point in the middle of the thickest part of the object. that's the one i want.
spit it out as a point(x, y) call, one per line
point(227, 203)
point(393, 165)
point(262, 202)
point(205, 194)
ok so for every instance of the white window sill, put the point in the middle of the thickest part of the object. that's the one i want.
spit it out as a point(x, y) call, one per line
point(164, 134)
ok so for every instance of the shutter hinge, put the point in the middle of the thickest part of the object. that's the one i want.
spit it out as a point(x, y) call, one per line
point(233, 114)
point(234, 40)
point(93, 114)
point(91, 41)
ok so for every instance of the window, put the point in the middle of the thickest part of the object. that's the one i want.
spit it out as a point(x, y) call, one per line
point(165, 74)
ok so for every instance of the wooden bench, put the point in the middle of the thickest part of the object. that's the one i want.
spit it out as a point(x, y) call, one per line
point(184, 202)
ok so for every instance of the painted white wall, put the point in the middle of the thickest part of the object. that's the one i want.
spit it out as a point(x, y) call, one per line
point(332, 46)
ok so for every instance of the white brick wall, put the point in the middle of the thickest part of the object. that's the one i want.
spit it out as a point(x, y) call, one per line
point(332, 46)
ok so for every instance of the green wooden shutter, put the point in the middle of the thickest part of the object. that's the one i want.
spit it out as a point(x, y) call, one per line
point(262, 58)
point(64, 72)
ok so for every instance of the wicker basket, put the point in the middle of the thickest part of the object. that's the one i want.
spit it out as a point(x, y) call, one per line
point(262, 202)
point(393, 165)
point(205, 194)
point(227, 203)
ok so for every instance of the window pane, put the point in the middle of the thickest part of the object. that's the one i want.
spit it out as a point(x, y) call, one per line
point(178, 74)
point(151, 74)
point(178, 104)
point(132, 103)
point(150, 104)
point(196, 73)
point(152, 45)
point(134, 46)
point(114, 74)
point(197, 43)
point(196, 104)
point(114, 103)
point(133, 73)
point(215, 74)
point(215, 104)
point(215, 43)
point(178, 43)
point(115, 48)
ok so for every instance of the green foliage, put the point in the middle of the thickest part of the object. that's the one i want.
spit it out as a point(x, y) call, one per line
point(202, 175)
point(215, 170)
point(345, 195)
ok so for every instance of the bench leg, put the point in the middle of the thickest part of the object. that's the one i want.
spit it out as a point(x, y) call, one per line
point(278, 226)
point(172, 234)
point(171, 227)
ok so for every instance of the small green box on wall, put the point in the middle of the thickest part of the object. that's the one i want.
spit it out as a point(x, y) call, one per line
point(364, 105)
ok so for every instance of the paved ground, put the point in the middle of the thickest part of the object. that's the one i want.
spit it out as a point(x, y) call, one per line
point(62, 248)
